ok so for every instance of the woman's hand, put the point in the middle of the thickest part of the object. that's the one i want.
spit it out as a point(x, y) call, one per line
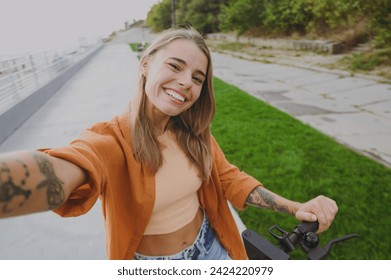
point(321, 209)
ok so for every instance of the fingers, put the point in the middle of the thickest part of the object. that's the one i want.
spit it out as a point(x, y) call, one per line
point(325, 212)
point(322, 209)
point(303, 215)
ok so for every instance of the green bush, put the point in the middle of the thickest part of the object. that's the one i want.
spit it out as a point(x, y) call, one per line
point(369, 61)
point(159, 17)
point(241, 15)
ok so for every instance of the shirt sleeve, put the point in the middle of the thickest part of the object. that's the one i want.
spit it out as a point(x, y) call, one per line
point(85, 153)
point(236, 184)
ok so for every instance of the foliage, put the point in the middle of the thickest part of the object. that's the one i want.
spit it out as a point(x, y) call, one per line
point(133, 46)
point(287, 16)
point(159, 17)
point(297, 162)
point(201, 14)
point(280, 17)
point(380, 17)
point(333, 14)
point(308, 16)
point(369, 61)
point(241, 15)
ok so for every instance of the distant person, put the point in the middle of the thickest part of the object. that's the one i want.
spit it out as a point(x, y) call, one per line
point(161, 176)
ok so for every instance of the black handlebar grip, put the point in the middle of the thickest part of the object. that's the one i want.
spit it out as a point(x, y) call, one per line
point(308, 226)
point(301, 230)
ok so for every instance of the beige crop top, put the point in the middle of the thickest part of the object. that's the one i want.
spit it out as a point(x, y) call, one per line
point(177, 182)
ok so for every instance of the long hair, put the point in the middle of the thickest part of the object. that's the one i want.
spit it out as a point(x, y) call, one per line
point(191, 127)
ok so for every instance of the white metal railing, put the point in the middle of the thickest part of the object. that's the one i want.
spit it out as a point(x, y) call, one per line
point(21, 75)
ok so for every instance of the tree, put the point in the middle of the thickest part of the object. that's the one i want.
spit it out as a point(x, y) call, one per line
point(159, 17)
point(380, 18)
point(201, 14)
point(278, 16)
point(287, 16)
point(241, 15)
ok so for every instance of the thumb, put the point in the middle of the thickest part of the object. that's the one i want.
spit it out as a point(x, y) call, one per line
point(306, 216)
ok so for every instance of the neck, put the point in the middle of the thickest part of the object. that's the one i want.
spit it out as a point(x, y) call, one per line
point(158, 119)
point(159, 123)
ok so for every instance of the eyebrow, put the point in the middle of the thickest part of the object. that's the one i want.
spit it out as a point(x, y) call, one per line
point(184, 62)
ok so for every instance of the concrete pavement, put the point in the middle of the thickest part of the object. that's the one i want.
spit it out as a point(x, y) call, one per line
point(355, 111)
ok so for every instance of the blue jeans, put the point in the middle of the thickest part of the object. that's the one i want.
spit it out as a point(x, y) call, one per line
point(205, 247)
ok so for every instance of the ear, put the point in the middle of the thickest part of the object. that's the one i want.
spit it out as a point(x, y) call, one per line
point(144, 67)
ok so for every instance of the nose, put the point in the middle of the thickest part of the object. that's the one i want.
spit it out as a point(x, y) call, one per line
point(185, 79)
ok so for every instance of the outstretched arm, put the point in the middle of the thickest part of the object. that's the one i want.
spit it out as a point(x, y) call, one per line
point(321, 208)
point(34, 182)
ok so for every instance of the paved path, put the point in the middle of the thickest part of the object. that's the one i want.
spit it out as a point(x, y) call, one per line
point(355, 111)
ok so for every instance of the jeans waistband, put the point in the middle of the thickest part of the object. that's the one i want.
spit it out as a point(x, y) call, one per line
point(202, 243)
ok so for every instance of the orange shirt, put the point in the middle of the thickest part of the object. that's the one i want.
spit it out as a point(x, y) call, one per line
point(127, 190)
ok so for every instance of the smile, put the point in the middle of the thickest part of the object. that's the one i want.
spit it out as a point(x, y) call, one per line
point(174, 95)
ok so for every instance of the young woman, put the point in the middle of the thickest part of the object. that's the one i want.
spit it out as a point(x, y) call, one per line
point(161, 176)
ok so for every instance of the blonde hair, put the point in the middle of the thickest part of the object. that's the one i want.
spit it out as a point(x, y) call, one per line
point(191, 127)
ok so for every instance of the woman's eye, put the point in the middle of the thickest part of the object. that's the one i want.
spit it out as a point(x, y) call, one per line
point(174, 66)
point(198, 80)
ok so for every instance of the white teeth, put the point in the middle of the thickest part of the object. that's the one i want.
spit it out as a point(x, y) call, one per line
point(175, 95)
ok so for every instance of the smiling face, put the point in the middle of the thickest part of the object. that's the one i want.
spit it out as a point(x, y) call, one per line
point(174, 78)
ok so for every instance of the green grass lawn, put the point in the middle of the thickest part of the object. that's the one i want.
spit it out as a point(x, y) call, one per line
point(296, 161)
point(133, 46)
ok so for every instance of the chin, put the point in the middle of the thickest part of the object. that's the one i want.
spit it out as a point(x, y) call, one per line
point(174, 113)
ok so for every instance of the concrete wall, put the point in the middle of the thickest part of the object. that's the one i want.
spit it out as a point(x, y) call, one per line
point(10, 120)
point(314, 45)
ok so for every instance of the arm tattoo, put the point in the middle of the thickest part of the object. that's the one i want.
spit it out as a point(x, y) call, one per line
point(14, 186)
point(55, 192)
point(9, 188)
point(260, 197)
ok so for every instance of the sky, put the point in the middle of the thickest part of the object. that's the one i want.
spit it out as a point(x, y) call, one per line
point(40, 25)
